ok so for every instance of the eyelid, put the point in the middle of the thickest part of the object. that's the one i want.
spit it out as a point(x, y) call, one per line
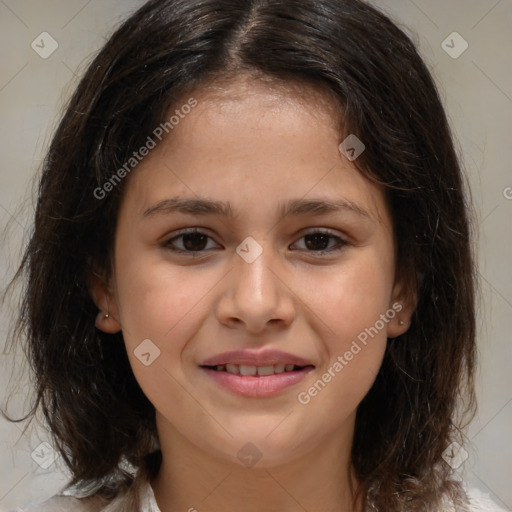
point(324, 231)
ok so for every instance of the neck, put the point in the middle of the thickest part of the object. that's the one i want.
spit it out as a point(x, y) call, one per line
point(191, 480)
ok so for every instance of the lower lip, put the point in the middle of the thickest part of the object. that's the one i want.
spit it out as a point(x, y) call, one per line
point(267, 385)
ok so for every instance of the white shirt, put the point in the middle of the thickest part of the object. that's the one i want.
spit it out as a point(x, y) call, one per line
point(479, 502)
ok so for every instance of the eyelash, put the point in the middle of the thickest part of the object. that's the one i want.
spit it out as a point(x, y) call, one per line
point(341, 243)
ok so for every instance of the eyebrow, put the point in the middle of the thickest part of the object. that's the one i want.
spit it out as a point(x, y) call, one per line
point(293, 208)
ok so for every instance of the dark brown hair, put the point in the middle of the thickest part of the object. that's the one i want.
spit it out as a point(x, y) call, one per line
point(96, 411)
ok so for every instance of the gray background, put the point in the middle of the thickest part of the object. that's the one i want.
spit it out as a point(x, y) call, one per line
point(477, 90)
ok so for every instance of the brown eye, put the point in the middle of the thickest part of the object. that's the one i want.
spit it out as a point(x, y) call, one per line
point(317, 241)
point(322, 242)
point(189, 242)
point(194, 241)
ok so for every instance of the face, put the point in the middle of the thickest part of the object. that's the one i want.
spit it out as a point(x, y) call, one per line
point(247, 243)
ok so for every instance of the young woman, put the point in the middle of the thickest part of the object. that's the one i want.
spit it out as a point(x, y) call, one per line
point(250, 284)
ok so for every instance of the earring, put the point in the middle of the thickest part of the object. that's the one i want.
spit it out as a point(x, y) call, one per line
point(106, 315)
point(401, 322)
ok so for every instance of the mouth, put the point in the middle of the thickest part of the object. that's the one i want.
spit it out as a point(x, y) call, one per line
point(256, 374)
point(257, 371)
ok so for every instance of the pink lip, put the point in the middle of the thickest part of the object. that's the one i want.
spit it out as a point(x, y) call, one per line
point(255, 358)
point(257, 386)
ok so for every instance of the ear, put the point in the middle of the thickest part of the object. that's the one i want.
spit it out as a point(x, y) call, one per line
point(404, 300)
point(101, 292)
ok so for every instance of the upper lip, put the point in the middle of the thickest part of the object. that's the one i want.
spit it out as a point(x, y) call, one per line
point(253, 358)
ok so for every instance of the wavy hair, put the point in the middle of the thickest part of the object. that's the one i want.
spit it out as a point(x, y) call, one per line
point(98, 416)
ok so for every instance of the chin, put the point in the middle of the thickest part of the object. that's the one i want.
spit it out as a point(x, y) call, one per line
point(259, 450)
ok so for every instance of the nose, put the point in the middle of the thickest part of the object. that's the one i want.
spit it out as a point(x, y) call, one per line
point(255, 296)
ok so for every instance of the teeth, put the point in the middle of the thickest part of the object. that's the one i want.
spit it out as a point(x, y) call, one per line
point(232, 368)
point(279, 368)
point(265, 370)
point(247, 370)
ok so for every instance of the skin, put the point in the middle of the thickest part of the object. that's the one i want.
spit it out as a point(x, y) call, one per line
point(254, 146)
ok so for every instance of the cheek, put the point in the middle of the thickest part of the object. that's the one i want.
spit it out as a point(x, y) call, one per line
point(159, 301)
point(352, 299)
point(350, 304)
point(166, 306)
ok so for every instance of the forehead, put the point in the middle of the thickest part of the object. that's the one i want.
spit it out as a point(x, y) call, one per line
point(280, 141)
